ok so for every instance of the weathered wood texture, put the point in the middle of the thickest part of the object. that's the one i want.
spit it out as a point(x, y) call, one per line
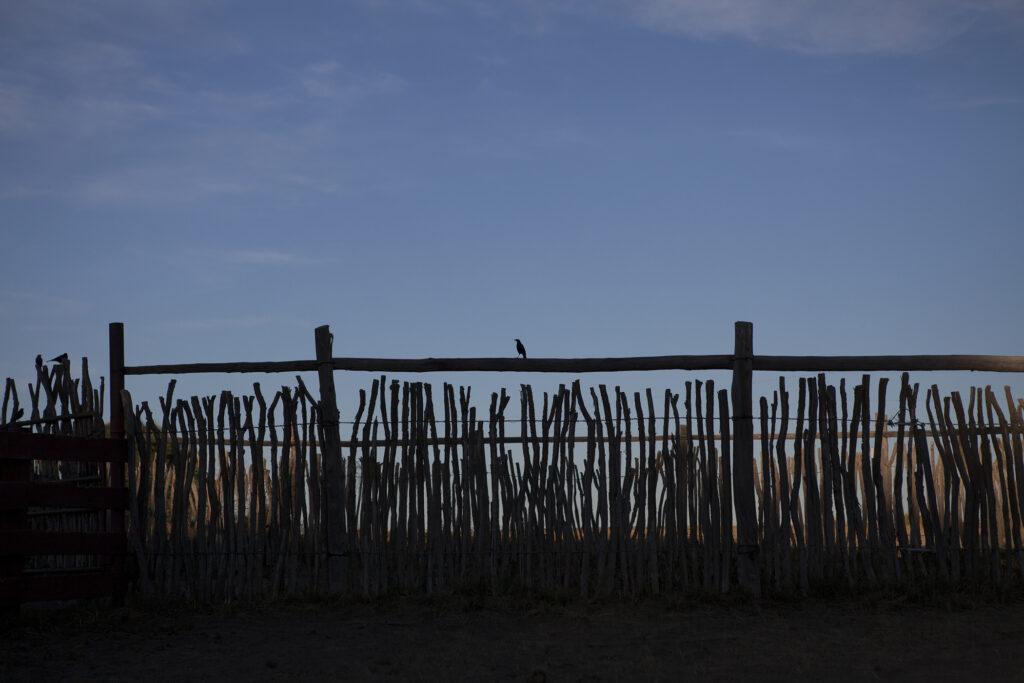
point(748, 547)
point(332, 473)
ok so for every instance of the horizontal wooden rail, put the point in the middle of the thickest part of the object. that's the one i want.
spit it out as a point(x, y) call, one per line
point(579, 365)
point(21, 542)
point(641, 363)
point(20, 496)
point(889, 363)
point(49, 587)
point(27, 446)
point(512, 440)
point(572, 365)
point(16, 495)
point(194, 368)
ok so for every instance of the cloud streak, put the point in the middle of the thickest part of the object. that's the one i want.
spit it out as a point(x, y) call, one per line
point(214, 323)
point(272, 257)
point(159, 185)
point(984, 102)
point(785, 140)
point(865, 26)
point(804, 26)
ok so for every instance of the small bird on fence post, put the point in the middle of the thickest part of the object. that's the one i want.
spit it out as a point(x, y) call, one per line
point(520, 349)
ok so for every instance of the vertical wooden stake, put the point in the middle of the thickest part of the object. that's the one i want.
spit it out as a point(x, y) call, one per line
point(115, 470)
point(334, 486)
point(743, 459)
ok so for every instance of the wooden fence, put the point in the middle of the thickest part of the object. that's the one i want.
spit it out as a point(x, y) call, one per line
point(596, 492)
point(229, 494)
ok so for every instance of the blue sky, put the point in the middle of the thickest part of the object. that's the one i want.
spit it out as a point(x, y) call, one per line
point(435, 178)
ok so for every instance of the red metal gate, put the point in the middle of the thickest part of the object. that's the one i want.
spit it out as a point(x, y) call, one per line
point(22, 497)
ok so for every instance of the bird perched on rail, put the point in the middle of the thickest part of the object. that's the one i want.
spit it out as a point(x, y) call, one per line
point(520, 349)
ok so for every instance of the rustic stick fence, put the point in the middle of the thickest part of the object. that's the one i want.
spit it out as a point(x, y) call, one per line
point(413, 510)
point(599, 491)
point(642, 506)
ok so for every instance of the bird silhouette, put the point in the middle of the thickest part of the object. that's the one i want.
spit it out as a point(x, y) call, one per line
point(62, 358)
point(39, 361)
point(520, 349)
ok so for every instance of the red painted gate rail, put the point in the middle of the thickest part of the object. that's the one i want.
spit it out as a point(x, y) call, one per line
point(18, 493)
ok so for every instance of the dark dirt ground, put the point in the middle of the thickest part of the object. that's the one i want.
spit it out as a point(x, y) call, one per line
point(458, 638)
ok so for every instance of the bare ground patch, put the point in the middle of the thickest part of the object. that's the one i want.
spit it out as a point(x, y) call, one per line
point(472, 639)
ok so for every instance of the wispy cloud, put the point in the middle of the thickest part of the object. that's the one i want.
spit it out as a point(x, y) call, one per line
point(20, 301)
point(91, 57)
point(521, 141)
point(211, 323)
point(807, 26)
point(140, 132)
point(982, 102)
point(25, 191)
point(15, 112)
point(778, 139)
point(35, 311)
point(272, 257)
point(864, 26)
point(329, 80)
point(158, 184)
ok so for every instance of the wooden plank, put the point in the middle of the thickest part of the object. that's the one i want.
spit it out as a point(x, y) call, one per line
point(981, 363)
point(713, 362)
point(889, 363)
point(243, 366)
point(53, 587)
point(19, 543)
point(20, 494)
point(27, 446)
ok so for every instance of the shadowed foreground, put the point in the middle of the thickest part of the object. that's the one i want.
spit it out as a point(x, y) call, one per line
point(402, 640)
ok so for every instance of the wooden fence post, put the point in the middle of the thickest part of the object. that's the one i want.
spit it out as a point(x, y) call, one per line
point(743, 460)
point(115, 470)
point(116, 380)
point(329, 419)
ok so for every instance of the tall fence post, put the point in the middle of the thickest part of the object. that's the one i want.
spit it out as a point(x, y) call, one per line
point(115, 470)
point(743, 459)
point(116, 381)
point(329, 418)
